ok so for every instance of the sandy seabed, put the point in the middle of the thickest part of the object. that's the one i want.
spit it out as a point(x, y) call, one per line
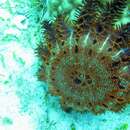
point(24, 101)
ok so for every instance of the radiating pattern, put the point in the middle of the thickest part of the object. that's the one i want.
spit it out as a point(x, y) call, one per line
point(86, 62)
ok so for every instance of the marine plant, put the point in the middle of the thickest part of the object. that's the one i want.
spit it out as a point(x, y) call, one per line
point(123, 127)
point(86, 62)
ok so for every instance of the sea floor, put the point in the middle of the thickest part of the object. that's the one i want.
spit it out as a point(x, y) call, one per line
point(24, 101)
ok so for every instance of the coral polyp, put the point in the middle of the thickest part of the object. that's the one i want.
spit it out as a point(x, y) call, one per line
point(86, 62)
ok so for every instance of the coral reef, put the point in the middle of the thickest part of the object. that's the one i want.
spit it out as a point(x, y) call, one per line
point(86, 62)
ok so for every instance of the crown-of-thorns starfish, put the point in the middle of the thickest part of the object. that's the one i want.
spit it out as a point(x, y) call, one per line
point(87, 63)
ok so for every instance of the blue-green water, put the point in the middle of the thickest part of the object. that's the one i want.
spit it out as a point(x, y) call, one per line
point(24, 101)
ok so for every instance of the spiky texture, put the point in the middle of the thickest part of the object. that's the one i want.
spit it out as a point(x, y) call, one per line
point(113, 11)
point(89, 69)
point(86, 16)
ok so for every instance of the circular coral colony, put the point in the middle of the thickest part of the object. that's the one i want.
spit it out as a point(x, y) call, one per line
point(87, 63)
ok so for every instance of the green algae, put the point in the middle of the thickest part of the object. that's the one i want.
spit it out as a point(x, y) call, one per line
point(7, 121)
point(72, 126)
point(123, 127)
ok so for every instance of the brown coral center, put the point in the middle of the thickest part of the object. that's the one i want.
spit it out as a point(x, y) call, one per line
point(77, 81)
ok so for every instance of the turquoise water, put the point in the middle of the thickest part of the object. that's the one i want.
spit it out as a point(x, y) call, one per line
point(24, 101)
